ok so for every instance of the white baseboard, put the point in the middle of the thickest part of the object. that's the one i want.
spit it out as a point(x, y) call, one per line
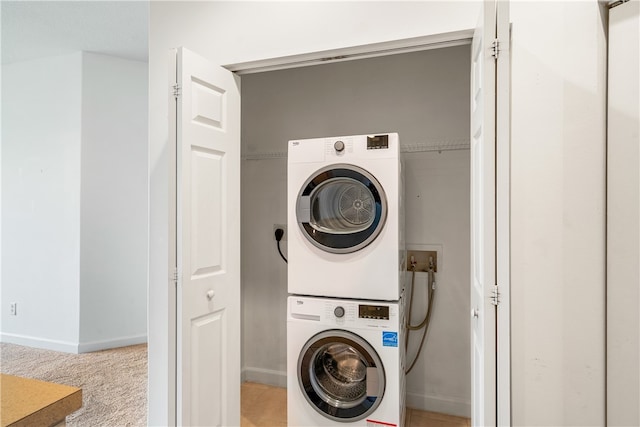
point(88, 347)
point(47, 344)
point(442, 404)
point(71, 347)
point(265, 376)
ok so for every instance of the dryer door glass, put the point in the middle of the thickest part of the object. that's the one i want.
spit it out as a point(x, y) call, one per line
point(341, 375)
point(341, 209)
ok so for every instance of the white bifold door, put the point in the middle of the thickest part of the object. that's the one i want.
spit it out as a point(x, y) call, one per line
point(208, 243)
point(623, 216)
point(489, 217)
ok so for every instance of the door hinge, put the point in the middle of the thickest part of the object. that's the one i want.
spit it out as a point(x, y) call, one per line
point(175, 275)
point(176, 90)
point(495, 295)
point(615, 3)
point(495, 49)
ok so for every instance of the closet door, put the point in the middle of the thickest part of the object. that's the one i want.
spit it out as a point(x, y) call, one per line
point(489, 217)
point(208, 243)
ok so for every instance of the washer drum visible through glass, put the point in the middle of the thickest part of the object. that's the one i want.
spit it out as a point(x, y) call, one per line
point(341, 375)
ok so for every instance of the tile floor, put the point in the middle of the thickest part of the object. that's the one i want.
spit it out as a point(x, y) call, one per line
point(264, 405)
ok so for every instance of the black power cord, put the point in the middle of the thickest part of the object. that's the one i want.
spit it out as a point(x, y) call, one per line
point(279, 233)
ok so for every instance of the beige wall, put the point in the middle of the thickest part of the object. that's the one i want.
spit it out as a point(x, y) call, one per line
point(41, 171)
point(623, 217)
point(75, 202)
point(558, 213)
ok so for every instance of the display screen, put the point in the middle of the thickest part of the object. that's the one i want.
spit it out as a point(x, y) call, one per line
point(373, 312)
point(377, 142)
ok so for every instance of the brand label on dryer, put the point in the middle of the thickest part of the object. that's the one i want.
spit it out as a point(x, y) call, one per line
point(389, 339)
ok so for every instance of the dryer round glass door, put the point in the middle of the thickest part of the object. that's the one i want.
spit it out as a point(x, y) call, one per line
point(341, 375)
point(341, 208)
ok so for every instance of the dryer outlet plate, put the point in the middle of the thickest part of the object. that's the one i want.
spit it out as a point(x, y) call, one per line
point(422, 259)
point(275, 227)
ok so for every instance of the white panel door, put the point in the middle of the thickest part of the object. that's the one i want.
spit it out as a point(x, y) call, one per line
point(208, 243)
point(503, 214)
point(483, 219)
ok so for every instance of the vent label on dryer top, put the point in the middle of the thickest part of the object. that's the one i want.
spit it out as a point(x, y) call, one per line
point(377, 142)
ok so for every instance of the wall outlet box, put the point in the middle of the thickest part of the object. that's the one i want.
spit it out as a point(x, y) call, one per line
point(424, 255)
point(283, 227)
point(423, 259)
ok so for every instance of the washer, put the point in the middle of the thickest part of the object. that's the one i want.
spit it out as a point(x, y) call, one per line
point(345, 362)
point(345, 216)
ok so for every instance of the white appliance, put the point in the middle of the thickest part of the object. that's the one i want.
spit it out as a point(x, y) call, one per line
point(345, 362)
point(345, 216)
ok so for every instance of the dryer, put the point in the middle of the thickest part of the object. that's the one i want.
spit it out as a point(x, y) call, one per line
point(345, 362)
point(345, 216)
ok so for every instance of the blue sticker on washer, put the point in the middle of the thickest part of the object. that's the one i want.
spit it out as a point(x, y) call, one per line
point(390, 339)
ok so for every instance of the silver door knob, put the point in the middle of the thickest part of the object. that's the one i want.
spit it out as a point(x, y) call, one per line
point(210, 294)
point(475, 312)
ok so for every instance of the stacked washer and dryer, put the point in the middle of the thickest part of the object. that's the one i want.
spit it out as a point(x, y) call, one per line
point(345, 312)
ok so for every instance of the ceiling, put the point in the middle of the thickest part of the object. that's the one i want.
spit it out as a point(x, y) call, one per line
point(36, 29)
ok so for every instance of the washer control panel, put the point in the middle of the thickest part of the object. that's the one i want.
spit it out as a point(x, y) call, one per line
point(366, 311)
point(347, 313)
point(377, 142)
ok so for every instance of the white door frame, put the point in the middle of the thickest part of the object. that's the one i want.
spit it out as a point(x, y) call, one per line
point(502, 169)
point(503, 186)
point(435, 41)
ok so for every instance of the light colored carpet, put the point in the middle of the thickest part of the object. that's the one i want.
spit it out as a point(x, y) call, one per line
point(113, 382)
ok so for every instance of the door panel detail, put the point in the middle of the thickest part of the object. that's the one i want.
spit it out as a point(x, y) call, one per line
point(207, 213)
point(207, 104)
point(207, 332)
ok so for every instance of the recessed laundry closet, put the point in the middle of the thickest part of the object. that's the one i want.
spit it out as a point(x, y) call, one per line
point(424, 97)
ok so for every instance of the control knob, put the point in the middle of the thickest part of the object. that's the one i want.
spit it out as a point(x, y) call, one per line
point(339, 146)
point(339, 311)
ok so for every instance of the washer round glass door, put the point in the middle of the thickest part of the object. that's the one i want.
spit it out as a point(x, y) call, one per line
point(341, 375)
point(341, 208)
